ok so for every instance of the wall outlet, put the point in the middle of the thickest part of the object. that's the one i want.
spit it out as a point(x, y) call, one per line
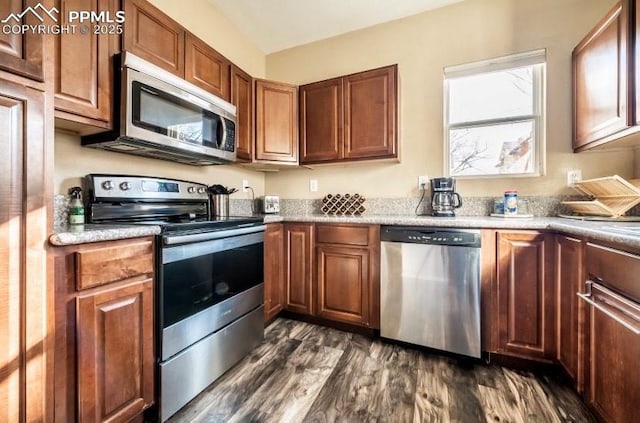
point(245, 185)
point(573, 176)
point(313, 185)
point(422, 182)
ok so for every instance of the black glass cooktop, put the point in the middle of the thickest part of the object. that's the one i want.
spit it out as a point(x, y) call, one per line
point(195, 226)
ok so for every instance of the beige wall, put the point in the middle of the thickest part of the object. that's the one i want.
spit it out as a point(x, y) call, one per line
point(72, 161)
point(422, 46)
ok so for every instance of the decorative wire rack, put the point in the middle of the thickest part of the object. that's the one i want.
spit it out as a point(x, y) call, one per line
point(343, 205)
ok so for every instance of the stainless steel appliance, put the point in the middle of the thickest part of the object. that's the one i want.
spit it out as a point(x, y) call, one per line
point(271, 204)
point(430, 288)
point(163, 116)
point(209, 279)
point(444, 198)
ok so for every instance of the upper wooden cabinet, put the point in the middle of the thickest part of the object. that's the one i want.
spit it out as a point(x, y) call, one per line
point(276, 122)
point(353, 117)
point(84, 72)
point(242, 97)
point(157, 38)
point(206, 68)
point(370, 103)
point(22, 53)
point(153, 36)
point(601, 75)
point(525, 294)
point(321, 121)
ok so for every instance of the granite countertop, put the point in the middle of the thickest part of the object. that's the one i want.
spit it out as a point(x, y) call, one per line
point(71, 235)
point(604, 231)
point(598, 230)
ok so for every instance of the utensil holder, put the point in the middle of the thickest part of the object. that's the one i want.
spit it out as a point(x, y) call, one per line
point(220, 205)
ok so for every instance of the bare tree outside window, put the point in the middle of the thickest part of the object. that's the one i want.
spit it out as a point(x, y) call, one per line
point(494, 119)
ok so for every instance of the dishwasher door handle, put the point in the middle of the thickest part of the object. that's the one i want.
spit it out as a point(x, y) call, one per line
point(588, 299)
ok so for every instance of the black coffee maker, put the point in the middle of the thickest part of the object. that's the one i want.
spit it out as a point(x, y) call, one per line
point(444, 198)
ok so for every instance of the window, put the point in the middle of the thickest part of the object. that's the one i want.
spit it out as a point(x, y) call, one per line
point(494, 117)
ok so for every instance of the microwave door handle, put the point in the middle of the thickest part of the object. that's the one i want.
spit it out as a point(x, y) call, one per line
point(223, 141)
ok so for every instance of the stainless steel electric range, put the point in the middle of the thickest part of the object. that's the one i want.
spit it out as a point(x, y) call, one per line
point(209, 278)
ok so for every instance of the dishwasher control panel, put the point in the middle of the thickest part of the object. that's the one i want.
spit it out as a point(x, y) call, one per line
point(437, 236)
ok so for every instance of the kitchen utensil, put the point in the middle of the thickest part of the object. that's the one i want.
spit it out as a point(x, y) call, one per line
point(221, 189)
point(220, 205)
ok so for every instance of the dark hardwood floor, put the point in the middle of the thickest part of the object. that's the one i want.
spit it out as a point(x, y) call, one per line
point(307, 373)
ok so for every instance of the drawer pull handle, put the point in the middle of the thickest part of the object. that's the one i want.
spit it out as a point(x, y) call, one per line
point(587, 298)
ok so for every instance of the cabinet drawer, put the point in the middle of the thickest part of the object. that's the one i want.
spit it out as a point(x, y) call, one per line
point(614, 268)
point(343, 234)
point(104, 264)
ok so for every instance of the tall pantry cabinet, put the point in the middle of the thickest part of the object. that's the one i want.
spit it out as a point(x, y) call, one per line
point(26, 124)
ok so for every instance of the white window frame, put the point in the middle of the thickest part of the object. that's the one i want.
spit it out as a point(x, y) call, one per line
point(536, 59)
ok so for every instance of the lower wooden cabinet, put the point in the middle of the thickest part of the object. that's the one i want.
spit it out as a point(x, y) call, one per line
point(343, 288)
point(273, 269)
point(115, 352)
point(298, 257)
point(104, 342)
point(347, 277)
point(332, 272)
point(525, 294)
point(569, 275)
point(613, 365)
point(612, 333)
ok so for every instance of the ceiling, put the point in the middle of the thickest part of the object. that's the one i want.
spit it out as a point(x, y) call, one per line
point(275, 25)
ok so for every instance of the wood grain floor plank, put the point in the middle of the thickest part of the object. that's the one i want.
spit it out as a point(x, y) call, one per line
point(566, 403)
point(464, 398)
point(393, 393)
point(498, 408)
point(432, 394)
point(235, 387)
point(347, 393)
point(312, 374)
point(532, 402)
point(288, 395)
point(321, 335)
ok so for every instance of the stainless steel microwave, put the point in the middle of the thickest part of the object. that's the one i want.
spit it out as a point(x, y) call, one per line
point(161, 115)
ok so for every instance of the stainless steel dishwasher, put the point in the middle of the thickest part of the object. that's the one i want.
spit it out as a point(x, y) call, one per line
point(430, 288)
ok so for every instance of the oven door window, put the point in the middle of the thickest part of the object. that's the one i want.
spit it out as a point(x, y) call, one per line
point(166, 114)
point(196, 283)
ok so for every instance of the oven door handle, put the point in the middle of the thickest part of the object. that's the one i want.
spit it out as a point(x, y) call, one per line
point(209, 236)
point(588, 298)
point(173, 253)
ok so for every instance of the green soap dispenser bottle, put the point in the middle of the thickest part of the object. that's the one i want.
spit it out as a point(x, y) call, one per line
point(76, 208)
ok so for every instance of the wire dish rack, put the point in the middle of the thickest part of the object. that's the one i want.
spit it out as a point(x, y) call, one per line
point(611, 196)
point(343, 205)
